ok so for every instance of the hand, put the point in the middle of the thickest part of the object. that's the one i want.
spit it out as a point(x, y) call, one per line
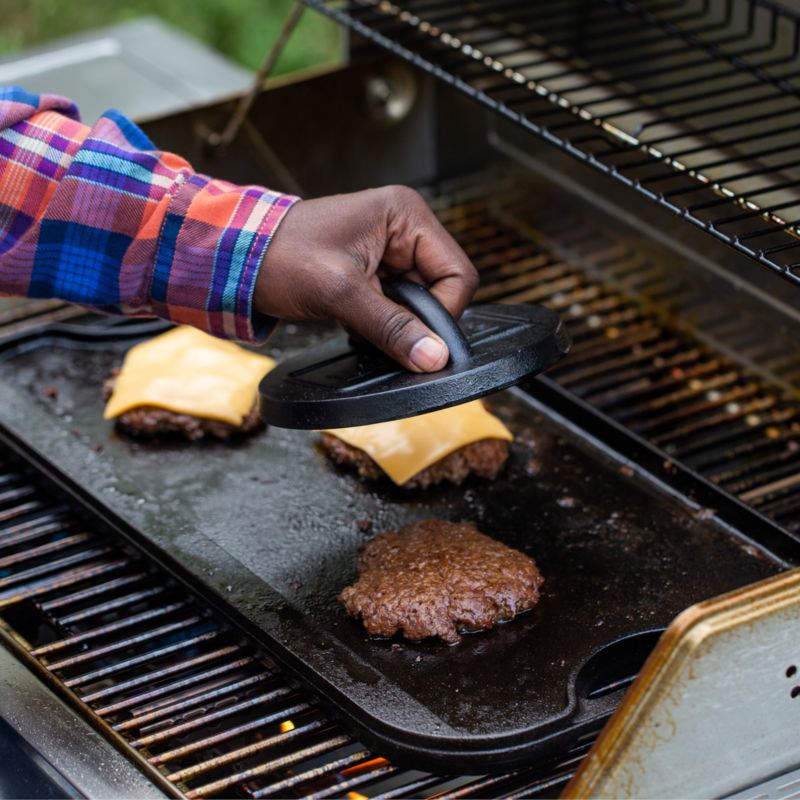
point(327, 256)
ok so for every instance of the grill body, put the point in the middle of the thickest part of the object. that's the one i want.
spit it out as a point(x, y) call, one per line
point(685, 356)
point(568, 238)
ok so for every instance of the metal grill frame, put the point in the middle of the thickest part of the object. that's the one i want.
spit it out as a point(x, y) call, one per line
point(712, 194)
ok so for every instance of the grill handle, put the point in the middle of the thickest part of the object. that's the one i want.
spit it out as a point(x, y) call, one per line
point(432, 313)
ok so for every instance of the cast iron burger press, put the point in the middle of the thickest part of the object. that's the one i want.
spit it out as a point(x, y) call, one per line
point(341, 384)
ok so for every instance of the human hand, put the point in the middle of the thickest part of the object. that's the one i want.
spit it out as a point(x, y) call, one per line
point(328, 255)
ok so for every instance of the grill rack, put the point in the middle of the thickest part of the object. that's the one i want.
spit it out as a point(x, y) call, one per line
point(698, 113)
point(629, 359)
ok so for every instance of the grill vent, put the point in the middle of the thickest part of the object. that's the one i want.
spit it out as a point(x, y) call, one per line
point(693, 103)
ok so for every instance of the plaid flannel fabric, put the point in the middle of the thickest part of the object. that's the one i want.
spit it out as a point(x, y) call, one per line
point(98, 216)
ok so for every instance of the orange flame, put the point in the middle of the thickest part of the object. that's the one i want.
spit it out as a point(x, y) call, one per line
point(357, 769)
point(287, 726)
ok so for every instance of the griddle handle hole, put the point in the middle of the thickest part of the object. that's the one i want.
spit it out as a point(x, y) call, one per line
point(615, 665)
point(795, 692)
point(791, 671)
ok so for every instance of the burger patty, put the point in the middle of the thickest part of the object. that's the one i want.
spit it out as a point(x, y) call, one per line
point(484, 458)
point(151, 421)
point(437, 578)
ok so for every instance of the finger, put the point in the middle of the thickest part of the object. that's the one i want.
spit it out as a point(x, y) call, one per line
point(409, 275)
point(417, 241)
point(390, 327)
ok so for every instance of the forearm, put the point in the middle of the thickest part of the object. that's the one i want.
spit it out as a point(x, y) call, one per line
point(97, 216)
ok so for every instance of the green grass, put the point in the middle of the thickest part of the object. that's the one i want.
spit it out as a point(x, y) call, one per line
point(241, 29)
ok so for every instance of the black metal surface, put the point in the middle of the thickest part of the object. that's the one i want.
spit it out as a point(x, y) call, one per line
point(692, 104)
point(340, 384)
point(272, 528)
point(25, 773)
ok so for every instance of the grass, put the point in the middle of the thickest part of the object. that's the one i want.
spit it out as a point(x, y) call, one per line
point(241, 29)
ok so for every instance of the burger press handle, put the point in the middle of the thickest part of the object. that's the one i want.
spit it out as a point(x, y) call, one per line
point(432, 313)
point(341, 383)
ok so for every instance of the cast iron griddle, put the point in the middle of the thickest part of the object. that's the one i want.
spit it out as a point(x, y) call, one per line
point(272, 528)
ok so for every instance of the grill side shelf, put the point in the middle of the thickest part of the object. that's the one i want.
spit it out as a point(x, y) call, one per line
point(691, 105)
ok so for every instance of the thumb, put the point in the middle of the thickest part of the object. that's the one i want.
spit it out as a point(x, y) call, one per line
point(391, 328)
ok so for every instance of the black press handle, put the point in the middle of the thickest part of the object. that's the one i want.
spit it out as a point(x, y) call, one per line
point(432, 313)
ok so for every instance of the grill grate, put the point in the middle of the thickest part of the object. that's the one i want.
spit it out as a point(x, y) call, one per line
point(181, 690)
point(629, 358)
point(693, 103)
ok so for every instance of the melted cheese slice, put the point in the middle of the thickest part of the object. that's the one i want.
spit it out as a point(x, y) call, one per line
point(404, 447)
point(189, 372)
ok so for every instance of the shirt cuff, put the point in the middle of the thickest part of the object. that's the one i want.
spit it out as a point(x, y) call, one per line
point(258, 326)
point(211, 245)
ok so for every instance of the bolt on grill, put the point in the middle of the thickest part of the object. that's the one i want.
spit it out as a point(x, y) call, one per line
point(178, 688)
point(693, 103)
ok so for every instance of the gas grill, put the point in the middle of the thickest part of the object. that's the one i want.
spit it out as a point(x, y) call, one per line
point(181, 598)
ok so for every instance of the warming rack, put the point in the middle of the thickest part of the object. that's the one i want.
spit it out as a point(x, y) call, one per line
point(692, 103)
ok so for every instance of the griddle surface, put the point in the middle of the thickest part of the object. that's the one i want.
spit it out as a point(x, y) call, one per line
point(271, 526)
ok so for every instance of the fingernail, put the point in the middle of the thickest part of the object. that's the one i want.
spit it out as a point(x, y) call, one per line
point(427, 353)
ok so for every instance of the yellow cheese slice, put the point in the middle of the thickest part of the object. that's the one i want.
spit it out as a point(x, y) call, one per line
point(189, 372)
point(404, 447)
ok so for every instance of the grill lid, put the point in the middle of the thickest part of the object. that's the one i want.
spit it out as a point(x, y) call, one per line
point(342, 384)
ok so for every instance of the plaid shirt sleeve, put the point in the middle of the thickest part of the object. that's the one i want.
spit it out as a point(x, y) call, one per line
point(97, 216)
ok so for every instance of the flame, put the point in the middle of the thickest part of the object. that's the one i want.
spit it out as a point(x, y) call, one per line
point(287, 726)
point(356, 769)
point(356, 796)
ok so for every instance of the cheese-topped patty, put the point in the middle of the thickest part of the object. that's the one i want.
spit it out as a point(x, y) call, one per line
point(189, 372)
point(405, 447)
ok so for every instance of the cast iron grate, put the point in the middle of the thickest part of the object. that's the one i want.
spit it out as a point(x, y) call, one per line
point(692, 103)
point(178, 688)
point(630, 359)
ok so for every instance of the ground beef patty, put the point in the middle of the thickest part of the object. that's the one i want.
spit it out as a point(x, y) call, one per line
point(150, 421)
point(482, 458)
point(436, 578)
